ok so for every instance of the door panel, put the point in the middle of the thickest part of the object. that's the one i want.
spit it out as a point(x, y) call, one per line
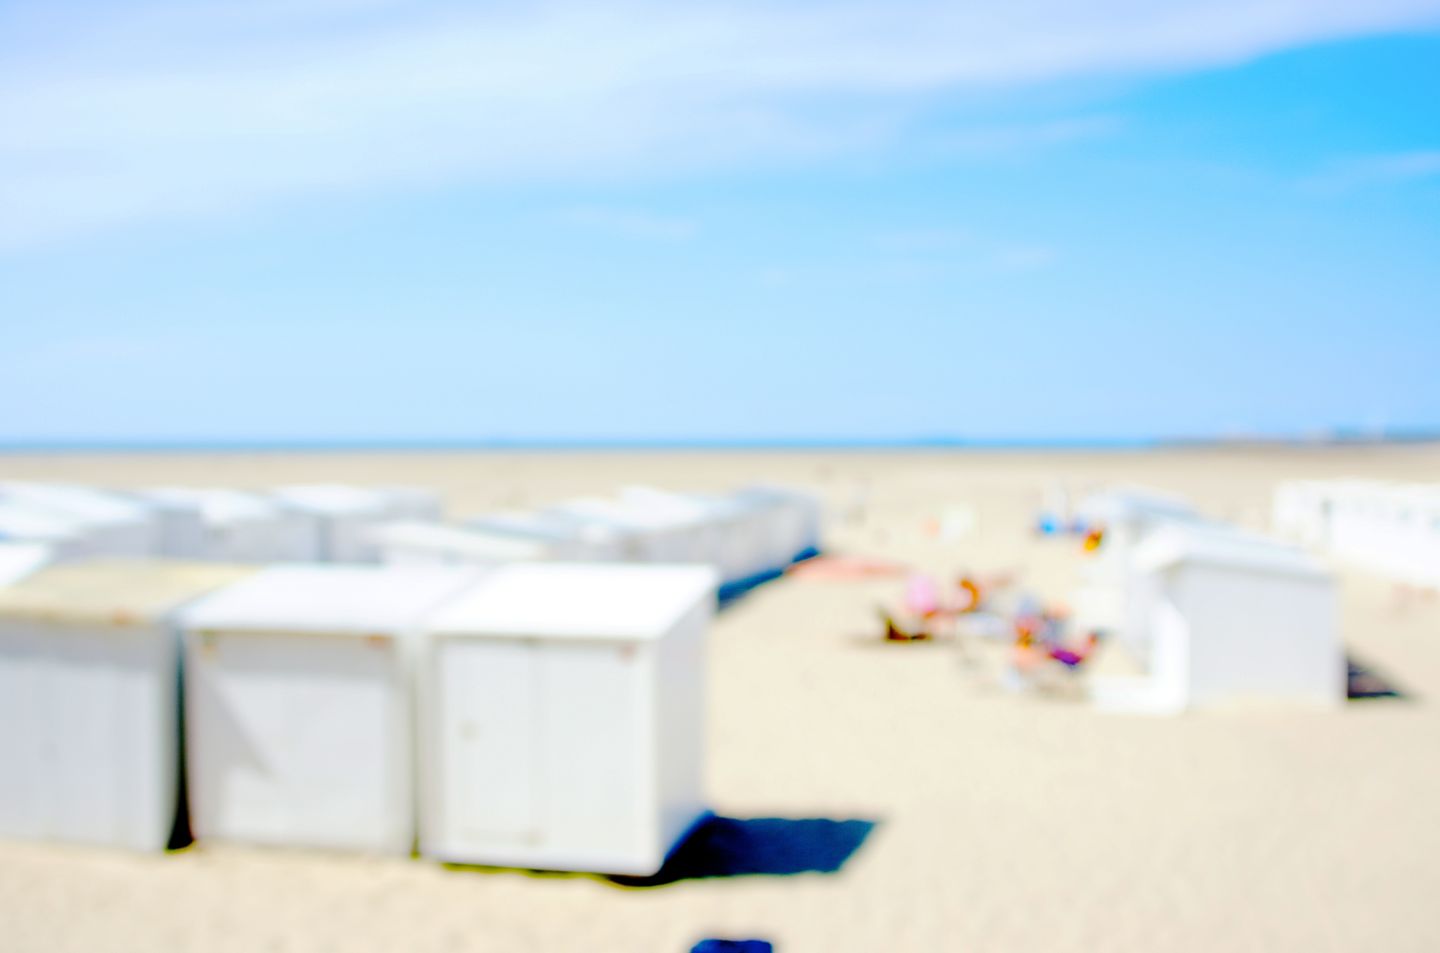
point(595, 749)
point(297, 740)
point(489, 740)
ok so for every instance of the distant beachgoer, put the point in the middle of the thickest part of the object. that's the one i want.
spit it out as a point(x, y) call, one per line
point(921, 611)
point(1027, 656)
point(1073, 658)
point(895, 632)
point(922, 596)
point(970, 596)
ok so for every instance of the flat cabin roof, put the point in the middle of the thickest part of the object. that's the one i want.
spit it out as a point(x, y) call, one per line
point(1228, 549)
point(579, 601)
point(335, 499)
point(25, 523)
point(79, 502)
point(777, 493)
point(471, 542)
point(1130, 503)
point(404, 498)
point(114, 592)
point(626, 515)
point(691, 506)
point(552, 526)
point(218, 504)
point(331, 598)
point(18, 560)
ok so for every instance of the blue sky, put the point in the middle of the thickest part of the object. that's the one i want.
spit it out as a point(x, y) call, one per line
point(365, 220)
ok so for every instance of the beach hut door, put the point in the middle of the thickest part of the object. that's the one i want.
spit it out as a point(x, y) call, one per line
point(491, 734)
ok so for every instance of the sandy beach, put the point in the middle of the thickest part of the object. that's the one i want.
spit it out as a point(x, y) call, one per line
point(1003, 822)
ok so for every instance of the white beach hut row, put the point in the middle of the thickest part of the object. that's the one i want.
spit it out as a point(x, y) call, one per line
point(1388, 528)
point(545, 716)
point(745, 536)
point(318, 523)
point(1213, 615)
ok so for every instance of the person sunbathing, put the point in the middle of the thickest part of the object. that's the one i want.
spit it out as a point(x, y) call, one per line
point(1073, 658)
point(922, 612)
point(894, 632)
point(1027, 656)
point(1040, 640)
point(970, 596)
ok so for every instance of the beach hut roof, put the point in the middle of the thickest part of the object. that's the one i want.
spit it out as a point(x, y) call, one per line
point(79, 502)
point(333, 498)
point(571, 600)
point(114, 592)
point(1227, 548)
point(548, 526)
point(330, 598)
point(471, 542)
point(624, 515)
point(25, 523)
point(1130, 503)
point(219, 505)
point(18, 560)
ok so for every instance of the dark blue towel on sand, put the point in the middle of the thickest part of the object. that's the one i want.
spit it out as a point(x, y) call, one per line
point(733, 946)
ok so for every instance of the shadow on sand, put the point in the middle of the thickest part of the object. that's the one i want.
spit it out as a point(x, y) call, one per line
point(759, 846)
point(742, 847)
point(1362, 682)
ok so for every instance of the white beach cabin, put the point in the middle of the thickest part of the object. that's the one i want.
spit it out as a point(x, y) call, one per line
point(732, 534)
point(1228, 617)
point(89, 713)
point(409, 543)
point(748, 536)
point(562, 718)
point(1419, 539)
point(1405, 536)
point(298, 705)
point(346, 515)
point(412, 503)
point(179, 522)
point(21, 524)
point(111, 524)
point(1361, 526)
point(18, 560)
point(793, 519)
point(245, 527)
point(566, 538)
point(1126, 516)
point(648, 533)
point(1388, 528)
point(1301, 512)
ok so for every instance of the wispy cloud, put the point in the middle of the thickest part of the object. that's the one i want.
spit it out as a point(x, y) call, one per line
point(164, 109)
point(1360, 172)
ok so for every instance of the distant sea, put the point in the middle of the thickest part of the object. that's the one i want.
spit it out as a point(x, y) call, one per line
point(499, 445)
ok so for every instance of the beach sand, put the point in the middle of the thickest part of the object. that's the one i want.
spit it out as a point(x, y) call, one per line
point(1006, 823)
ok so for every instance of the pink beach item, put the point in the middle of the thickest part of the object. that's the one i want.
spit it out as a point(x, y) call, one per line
point(922, 595)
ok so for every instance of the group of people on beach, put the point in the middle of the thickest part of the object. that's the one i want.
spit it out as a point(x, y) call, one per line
point(1039, 638)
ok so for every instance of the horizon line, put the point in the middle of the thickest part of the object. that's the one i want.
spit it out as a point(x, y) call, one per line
point(1338, 437)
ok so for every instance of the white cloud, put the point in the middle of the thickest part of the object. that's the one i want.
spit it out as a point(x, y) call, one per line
point(169, 109)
